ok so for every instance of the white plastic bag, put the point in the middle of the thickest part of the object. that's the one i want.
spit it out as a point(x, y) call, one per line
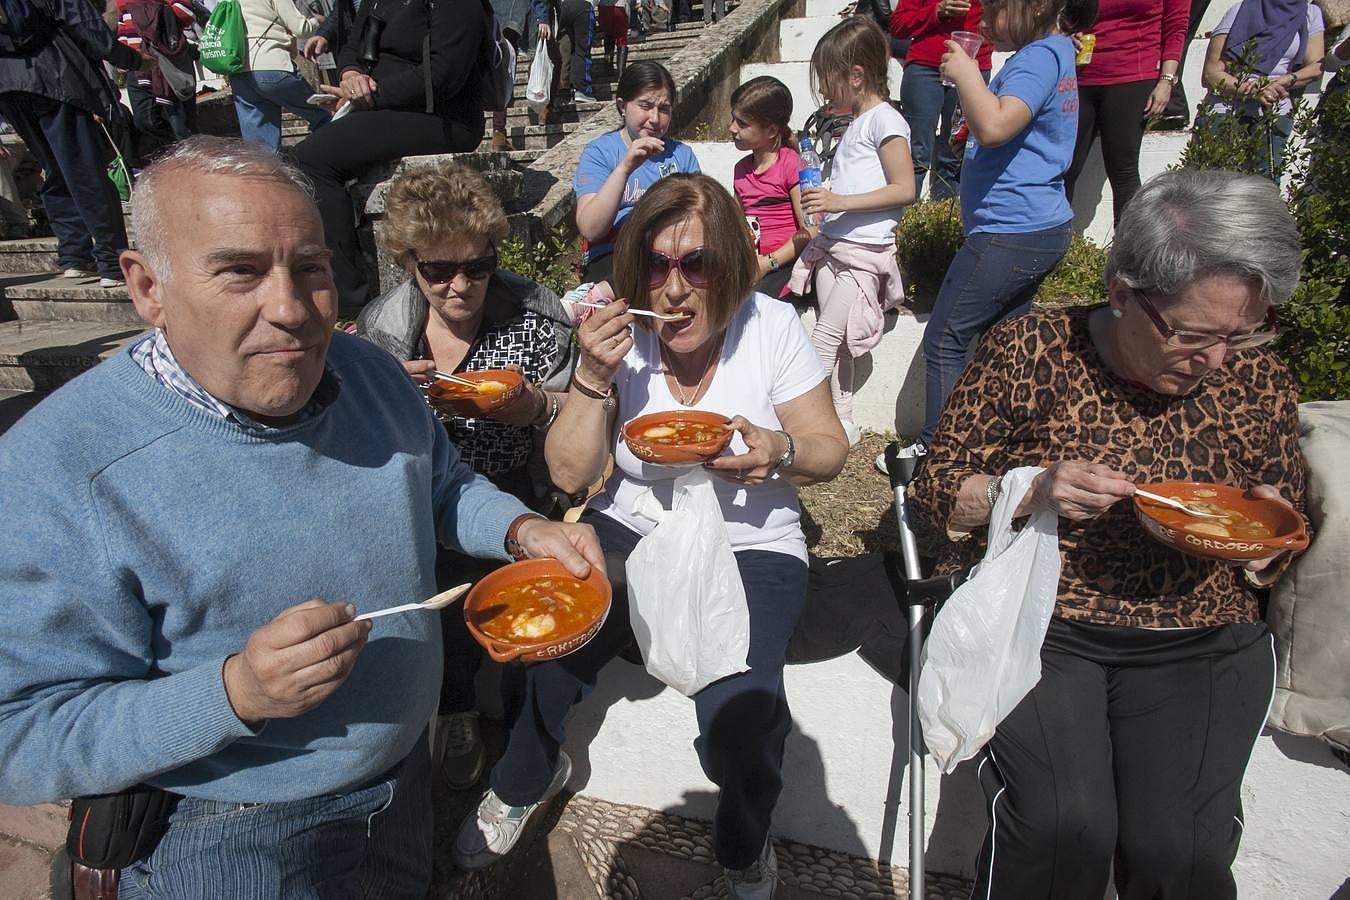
point(541, 78)
point(686, 601)
point(984, 653)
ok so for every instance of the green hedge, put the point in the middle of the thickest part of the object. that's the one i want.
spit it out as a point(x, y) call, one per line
point(930, 234)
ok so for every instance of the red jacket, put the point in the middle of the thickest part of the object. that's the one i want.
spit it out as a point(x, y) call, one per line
point(918, 20)
point(1133, 37)
point(126, 30)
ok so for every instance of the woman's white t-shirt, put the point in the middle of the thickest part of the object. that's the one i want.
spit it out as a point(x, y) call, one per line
point(856, 169)
point(767, 359)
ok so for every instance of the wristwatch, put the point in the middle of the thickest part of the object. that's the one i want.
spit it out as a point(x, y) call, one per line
point(513, 547)
point(789, 455)
point(774, 266)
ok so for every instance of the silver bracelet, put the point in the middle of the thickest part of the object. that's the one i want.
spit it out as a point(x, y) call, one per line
point(992, 488)
point(553, 413)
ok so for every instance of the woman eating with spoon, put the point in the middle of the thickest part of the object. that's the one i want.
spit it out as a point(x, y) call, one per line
point(1157, 669)
point(686, 250)
point(459, 312)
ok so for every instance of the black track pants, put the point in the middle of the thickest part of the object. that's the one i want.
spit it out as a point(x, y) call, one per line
point(1132, 747)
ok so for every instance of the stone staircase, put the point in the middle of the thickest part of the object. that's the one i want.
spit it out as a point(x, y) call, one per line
point(52, 328)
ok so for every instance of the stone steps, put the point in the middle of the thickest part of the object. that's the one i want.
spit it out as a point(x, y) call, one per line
point(42, 356)
point(37, 298)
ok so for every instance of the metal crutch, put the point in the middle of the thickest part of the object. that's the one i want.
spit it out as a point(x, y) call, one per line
point(920, 594)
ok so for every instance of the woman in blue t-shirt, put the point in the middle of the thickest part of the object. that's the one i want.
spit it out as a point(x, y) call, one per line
point(617, 168)
point(1013, 207)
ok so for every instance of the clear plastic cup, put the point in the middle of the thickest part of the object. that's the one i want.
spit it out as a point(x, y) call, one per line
point(970, 42)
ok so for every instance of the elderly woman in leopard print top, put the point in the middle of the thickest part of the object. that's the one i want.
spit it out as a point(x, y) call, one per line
point(1157, 669)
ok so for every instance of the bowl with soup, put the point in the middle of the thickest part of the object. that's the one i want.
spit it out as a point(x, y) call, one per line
point(536, 610)
point(678, 436)
point(1243, 528)
point(490, 391)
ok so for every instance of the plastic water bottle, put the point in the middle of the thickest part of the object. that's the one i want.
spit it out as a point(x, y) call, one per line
point(810, 174)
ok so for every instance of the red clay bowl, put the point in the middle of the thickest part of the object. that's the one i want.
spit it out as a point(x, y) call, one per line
point(461, 400)
point(648, 449)
point(480, 608)
point(1190, 534)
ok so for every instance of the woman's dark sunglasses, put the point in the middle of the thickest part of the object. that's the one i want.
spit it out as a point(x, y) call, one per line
point(440, 271)
point(690, 266)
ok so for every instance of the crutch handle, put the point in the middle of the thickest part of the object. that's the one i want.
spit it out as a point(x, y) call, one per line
point(901, 469)
point(930, 592)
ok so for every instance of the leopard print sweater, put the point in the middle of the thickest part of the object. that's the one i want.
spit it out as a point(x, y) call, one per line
point(1037, 392)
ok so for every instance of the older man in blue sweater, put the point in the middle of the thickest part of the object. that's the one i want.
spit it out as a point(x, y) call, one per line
point(178, 592)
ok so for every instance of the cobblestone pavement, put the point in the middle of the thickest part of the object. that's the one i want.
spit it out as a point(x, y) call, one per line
point(583, 848)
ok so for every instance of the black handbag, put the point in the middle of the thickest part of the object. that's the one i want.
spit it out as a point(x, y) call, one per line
point(112, 831)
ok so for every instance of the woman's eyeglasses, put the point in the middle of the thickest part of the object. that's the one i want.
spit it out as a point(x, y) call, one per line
point(441, 271)
point(1203, 340)
point(690, 265)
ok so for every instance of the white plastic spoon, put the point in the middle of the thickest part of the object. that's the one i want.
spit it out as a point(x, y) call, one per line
point(1176, 504)
point(665, 317)
point(444, 598)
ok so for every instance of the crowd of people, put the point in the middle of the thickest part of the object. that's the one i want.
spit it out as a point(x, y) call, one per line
point(207, 512)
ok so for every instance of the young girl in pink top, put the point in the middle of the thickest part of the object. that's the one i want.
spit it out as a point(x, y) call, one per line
point(765, 181)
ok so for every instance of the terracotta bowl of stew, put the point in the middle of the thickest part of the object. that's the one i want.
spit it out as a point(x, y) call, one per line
point(535, 610)
point(1247, 529)
point(494, 389)
point(678, 436)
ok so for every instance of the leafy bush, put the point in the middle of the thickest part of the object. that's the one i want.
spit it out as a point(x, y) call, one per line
point(552, 262)
point(1077, 280)
point(926, 241)
point(1316, 321)
point(1315, 342)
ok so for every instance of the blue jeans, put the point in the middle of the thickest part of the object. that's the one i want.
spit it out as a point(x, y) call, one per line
point(371, 842)
point(81, 202)
point(259, 98)
point(743, 720)
point(994, 276)
point(928, 106)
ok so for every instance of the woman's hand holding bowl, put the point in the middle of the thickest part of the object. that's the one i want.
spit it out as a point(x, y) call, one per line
point(527, 408)
point(1076, 490)
point(605, 338)
point(1264, 492)
point(765, 447)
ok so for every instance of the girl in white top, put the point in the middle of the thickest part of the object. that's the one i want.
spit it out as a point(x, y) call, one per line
point(871, 180)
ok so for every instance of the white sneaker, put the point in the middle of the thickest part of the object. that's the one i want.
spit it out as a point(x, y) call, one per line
point(81, 274)
point(489, 834)
point(111, 283)
point(913, 451)
point(851, 431)
point(458, 749)
point(756, 882)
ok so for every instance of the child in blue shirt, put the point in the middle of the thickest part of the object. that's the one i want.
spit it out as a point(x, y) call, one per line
point(617, 168)
point(1016, 215)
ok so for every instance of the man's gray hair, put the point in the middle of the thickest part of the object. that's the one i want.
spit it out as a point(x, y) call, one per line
point(1189, 224)
point(202, 154)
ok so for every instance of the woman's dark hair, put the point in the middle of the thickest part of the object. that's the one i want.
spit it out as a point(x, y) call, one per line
point(728, 254)
point(1077, 15)
point(643, 76)
point(1019, 22)
point(766, 101)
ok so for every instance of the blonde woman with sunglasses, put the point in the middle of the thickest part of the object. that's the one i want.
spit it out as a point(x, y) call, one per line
point(686, 253)
point(458, 311)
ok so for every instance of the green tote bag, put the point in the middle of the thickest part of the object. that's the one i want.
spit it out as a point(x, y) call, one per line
point(224, 42)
